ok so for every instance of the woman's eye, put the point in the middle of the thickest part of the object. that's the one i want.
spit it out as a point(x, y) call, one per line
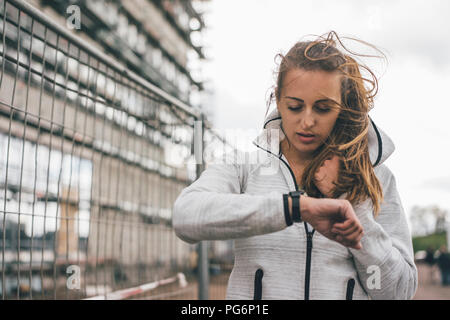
point(323, 109)
point(319, 109)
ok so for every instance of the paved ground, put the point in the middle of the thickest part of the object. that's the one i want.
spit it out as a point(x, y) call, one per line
point(217, 290)
point(430, 287)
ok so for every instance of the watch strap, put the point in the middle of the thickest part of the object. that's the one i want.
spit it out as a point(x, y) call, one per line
point(287, 216)
point(296, 214)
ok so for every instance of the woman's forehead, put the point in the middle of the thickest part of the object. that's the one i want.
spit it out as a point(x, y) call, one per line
point(312, 84)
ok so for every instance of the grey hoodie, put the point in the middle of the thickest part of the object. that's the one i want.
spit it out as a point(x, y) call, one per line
point(275, 259)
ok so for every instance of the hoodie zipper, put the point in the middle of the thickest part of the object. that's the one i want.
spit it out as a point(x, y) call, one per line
point(309, 246)
point(309, 235)
point(309, 242)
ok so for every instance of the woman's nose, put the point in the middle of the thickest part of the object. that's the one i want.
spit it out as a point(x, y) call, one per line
point(308, 120)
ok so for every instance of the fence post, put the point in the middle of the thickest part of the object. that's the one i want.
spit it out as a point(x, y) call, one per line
point(203, 267)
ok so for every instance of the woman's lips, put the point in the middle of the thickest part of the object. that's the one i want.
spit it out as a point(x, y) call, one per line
point(305, 138)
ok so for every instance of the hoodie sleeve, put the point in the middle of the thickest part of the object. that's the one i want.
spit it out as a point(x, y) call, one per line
point(385, 264)
point(213, 208)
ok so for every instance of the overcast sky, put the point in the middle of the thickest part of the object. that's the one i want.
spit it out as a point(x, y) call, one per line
point(243, 38)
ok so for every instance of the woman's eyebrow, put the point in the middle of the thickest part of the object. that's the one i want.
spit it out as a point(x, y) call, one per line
point(294, 98)
point(321, 100)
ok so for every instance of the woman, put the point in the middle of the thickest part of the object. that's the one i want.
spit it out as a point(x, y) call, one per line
point(326, 145)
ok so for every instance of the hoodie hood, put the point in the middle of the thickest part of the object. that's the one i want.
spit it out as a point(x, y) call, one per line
point(380, 144)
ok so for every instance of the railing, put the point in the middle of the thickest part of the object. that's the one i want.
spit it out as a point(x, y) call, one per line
point(92, 158)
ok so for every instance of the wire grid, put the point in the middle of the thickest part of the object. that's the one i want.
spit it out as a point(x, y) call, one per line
point(85, 189)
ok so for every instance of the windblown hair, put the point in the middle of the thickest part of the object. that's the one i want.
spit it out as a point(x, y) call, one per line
point(349, 136)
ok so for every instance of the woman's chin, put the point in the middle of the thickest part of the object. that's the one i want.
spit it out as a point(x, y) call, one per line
point(305, 149)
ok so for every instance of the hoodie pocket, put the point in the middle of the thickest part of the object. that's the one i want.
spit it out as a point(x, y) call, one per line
point(258, 284)
point(350, 288)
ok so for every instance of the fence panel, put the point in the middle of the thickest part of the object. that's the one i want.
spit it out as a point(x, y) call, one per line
point(91, 160)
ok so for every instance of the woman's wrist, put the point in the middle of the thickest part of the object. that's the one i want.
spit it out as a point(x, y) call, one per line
point(304, 207)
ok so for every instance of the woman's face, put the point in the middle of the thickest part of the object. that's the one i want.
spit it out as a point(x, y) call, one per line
point(309, 106)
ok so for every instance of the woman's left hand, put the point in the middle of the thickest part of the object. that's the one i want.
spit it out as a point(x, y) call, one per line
point(326, 175)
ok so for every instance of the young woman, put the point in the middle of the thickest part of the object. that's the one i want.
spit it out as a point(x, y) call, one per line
point(326, 146)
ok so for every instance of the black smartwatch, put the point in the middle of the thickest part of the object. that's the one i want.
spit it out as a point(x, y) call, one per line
point(295, 196)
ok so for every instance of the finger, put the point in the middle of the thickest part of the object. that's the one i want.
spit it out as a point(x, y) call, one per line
point(360, 236)
point(351, 221)
point(354, 237)
point(346, 232)
point(340, 239)
point(347, 224)
point(356, 244)
point(346, 213)
point(352, 227)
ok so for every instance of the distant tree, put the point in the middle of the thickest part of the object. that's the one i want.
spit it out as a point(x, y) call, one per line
point(428, 220)
point(441, 219)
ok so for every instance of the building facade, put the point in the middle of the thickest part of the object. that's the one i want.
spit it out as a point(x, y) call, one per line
point(84, 177)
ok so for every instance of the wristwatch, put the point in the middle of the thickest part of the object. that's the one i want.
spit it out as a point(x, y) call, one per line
point(295, 196)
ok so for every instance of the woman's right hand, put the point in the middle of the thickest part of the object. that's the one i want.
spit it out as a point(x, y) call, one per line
point(324, 214)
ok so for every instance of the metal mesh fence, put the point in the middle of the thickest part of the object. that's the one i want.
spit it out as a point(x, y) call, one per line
point(86, 187)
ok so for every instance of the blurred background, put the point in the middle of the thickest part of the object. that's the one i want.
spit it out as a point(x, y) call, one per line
point(100, 105)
